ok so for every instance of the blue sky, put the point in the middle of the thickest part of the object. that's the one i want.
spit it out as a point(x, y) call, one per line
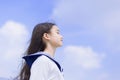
point(90, 29)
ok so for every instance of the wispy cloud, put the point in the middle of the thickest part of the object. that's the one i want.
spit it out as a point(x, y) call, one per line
point(12, 46)
point(93, 23)
point(99, 19)
point(84, 56)
point(84, 62)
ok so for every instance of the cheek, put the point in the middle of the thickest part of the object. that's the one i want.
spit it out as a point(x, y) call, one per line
point(55, 40)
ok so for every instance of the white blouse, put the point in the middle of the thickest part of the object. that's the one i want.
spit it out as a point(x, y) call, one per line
point(45, 69)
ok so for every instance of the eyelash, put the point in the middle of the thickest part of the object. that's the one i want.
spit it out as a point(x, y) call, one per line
point(58, 33)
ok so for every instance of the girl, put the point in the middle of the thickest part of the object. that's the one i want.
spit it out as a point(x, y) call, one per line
point(40, 64)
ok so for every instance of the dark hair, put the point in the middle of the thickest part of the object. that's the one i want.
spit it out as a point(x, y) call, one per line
point(36, 45)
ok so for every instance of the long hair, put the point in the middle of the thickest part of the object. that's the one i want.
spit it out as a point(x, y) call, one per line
point(36, 44)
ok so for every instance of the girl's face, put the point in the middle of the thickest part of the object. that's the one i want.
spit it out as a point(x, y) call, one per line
point(55, 37)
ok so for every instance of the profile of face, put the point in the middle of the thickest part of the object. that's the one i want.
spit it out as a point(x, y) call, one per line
point(54, 38)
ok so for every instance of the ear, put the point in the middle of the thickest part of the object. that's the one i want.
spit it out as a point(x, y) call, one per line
point(46, 36)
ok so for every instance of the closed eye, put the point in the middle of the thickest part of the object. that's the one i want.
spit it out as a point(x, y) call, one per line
point(58, 32)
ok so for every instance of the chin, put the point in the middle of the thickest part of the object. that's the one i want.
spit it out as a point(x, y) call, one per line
point(59, 45)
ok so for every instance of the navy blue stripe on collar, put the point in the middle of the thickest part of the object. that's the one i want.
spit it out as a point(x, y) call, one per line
point(31, 58)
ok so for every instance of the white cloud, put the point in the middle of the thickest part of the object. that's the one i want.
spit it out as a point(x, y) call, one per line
point(88, 15)
point(85, 57)
point(67, 11)
point(103, 76)
point(99, 19)
point(112, 24)
point(95, 23)
point(14, 36)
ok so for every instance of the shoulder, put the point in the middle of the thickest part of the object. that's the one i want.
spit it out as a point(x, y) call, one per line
point(40, 69)
point(41, 60)
point(44, 62)
point(40, 65)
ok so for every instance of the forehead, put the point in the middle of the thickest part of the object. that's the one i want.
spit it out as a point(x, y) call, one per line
point(54, 28)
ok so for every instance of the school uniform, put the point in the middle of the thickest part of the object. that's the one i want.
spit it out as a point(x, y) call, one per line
point(44, 67)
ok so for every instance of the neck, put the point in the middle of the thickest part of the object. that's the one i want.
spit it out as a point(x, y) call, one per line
point(50, 50)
